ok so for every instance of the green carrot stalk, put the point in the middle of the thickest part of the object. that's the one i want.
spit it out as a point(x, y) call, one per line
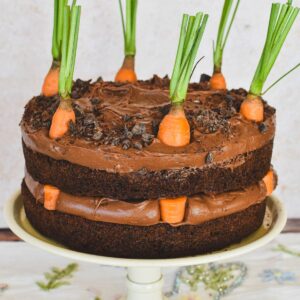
point(192, 29)
point(217, 81)
point(69, 49)
point(174, 130)
point(59, 6)
point(282, 18)
point(126, 72)
point(64, 113)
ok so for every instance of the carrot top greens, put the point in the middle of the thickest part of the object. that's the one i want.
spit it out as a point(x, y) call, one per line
point(223, 33)
point(71, 20)
point(192, 29)
point(129, 26)
point(282, 18)
point(59, 6)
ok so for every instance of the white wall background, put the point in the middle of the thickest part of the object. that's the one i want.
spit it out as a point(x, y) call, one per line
point(25, 42)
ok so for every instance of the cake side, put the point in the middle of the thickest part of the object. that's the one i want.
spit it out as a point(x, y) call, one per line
point(83, 181)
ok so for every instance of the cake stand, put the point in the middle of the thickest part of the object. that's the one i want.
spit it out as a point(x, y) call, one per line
point(144, 279)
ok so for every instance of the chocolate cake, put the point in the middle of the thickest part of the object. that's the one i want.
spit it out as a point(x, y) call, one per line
point(112, 171)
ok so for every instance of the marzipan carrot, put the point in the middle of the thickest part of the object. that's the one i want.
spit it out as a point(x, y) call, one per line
point(64, 113)
point(127, 72)
point(173, 210)
point(282, 18)
point(50, 85)
point(252, 108)
point(270, 182)
point(174, 129)
point(61, 119)
point(217, 81)
point(51, 194)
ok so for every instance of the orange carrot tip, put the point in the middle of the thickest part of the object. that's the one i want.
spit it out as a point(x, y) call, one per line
point(51, 194)
point(50, 85)
point(252, 109)
point(218, 82)
point(173, 210)
point(61, 121)
point(126, 75)
point(174, 129)
point(270, 182)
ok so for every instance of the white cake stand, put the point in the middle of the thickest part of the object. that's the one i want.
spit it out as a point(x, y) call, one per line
point(144, 278)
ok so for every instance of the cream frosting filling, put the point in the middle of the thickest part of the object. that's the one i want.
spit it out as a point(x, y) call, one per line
point(199, 208)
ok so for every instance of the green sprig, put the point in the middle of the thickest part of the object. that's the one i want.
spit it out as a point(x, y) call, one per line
point(282, 18)
point(129, 26)
point(280, 78)
point(191, 33)
point(57, 277)
point(284, 249)
point(69, 48)
point(223, 33)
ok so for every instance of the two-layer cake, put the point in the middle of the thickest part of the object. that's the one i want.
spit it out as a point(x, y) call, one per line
point(112, 172)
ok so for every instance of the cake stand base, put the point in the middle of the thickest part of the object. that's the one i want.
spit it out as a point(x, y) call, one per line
point(144, 278)
point(144, 283)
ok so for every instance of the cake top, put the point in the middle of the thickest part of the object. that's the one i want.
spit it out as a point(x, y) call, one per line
point(123, 119)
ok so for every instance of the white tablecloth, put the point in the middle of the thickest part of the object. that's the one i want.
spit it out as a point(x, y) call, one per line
point(270, 273)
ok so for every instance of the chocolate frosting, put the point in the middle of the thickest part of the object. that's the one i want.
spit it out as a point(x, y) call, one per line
point(116, 102)
point(199, 209)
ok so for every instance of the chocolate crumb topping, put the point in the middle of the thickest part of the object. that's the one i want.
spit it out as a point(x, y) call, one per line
point(80, 87)
point(204, 78)
point(209, 158)
point(262, 127)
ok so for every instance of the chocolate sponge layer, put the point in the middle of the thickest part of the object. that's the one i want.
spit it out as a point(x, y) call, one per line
point(247, 169)
point(158, 241)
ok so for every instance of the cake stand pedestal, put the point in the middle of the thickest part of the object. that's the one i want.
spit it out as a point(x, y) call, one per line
point(144, 278)
point(144, 283)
